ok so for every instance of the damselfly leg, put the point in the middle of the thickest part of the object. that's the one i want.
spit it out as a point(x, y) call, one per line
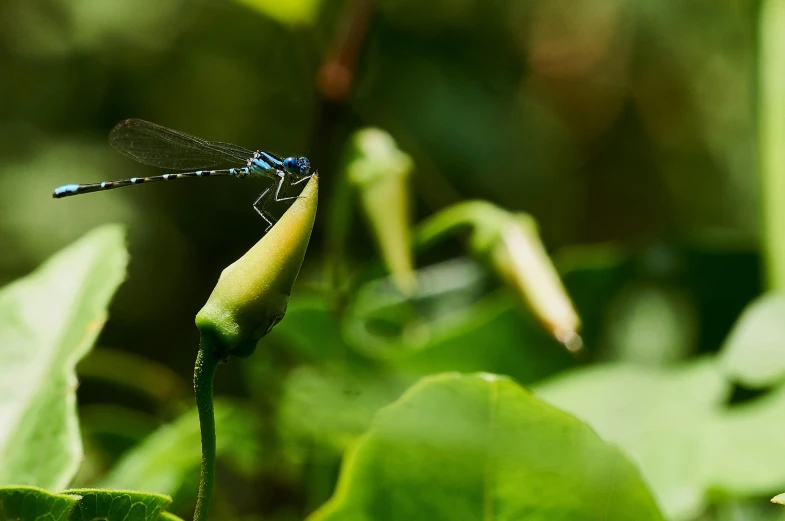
point(281, 190)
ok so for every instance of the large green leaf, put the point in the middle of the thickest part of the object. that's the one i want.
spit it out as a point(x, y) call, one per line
point(35, 504)
point(48, 321)
point(753, 353)
point(30, 503)
point(661, 418)
point(674, 423)
point(117, 505)
point(742, 450)
point(481, 447)
point(164, 460)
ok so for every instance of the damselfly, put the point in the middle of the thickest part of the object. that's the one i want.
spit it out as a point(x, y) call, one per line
point(162, 147)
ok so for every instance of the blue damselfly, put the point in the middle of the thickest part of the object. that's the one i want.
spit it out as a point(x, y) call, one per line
point(162, 147)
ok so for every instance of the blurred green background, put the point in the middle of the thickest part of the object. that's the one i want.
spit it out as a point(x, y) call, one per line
point(626, 128)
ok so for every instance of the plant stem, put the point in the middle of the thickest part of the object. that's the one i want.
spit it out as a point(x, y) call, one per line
point(204, 374)
point(445, 223)
point(771, 120)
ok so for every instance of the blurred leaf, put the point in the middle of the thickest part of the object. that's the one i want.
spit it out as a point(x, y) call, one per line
point(434, 15)
point(146, 377)
point(108, 431)
point(335, 402)
point(494, 335)
point(381, 323)
point(753, 353)
point(29, 503)
point(48, 321)
point(33, 504)
point(24, 196)
point(61, 27)
point(331, 406)
point(592, 274)
point(651, 324)
point(673, 424)
point(130, 425)
point(290, 12)
point(119, 505)
point(331, 403)
point(311, 329)
point(662, 419)
point(747, 510)
point(163, 461)
point(742, 449)
point(470, 447)
point(451, 325)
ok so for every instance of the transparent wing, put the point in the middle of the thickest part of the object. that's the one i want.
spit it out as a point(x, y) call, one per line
point(163, 147)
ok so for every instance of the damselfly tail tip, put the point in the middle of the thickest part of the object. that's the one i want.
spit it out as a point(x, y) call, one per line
point(64, 191)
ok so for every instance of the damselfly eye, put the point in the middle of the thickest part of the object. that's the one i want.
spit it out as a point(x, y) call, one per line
point(303, 165)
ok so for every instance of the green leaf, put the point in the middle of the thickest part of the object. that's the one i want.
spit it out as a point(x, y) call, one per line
point(118, 505)
point(481, 447)
point(674, 424)
point(291, 12)
point(451, 326)
point(168, 516)
point(333, 406)
point(653, 324)
point(661, 418)
point(753, 352)
point(30, 503)
point(35, 504)
point(164, 460)
point(742, 449)
point(310, 329)
point(491, 336)
point(48, 321)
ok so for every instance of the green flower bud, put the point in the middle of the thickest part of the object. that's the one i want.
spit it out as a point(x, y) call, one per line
point(252, 294)
point(510, 245)
point(521, 259)
point(380, 171)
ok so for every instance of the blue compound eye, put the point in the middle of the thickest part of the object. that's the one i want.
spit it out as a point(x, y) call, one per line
point(303, 165)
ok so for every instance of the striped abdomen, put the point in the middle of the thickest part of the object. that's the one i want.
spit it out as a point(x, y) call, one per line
point(74, 189)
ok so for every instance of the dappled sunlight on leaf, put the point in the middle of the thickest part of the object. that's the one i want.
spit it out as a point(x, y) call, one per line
point(290, 12)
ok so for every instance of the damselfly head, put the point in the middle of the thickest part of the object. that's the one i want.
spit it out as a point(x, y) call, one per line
point(297, 165)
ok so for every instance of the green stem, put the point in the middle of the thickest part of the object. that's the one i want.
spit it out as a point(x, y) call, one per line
point(466, 215)
point(771, 120)
point(204, 374)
